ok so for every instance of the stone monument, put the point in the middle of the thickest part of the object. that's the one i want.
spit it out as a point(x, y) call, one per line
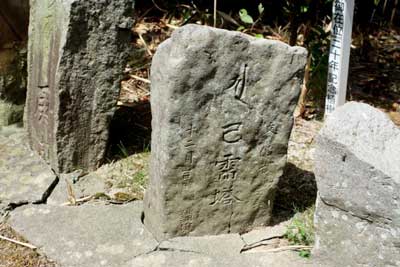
point(222, 105)
point(77, 52)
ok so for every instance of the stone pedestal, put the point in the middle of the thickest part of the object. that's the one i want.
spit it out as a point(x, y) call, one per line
point(222, 105)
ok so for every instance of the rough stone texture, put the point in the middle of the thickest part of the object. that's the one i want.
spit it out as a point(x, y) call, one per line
point(217, 246)
point(24, 176)
point(185, 259)
point(88, 235)
point(358, 175)
point(76, 56)
point(222, 105)
point(262, 234)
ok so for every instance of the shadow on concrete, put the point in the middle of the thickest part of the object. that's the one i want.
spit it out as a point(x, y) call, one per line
point(297, 191)
point(130, 132)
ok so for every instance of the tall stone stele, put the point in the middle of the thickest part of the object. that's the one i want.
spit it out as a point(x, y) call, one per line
point(76, 56)
point(222, 105)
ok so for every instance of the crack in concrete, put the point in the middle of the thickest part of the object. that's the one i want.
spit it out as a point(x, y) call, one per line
point(48, 191)
point(43, 199)
point(179, 250)
point(244, 242)
point(147, 252)
point(259, 244)
point(369, 218)
point(4, 212)
point(166, 249)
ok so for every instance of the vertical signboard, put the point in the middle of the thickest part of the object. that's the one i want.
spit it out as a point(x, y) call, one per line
point(338, 68)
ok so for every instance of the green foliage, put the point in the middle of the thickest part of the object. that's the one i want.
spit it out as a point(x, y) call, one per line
point(305, 254)
point(304, 9)
point(245, 17)
point(251, 23)
point(260, 9)
point(300, 231)
point(297, 22)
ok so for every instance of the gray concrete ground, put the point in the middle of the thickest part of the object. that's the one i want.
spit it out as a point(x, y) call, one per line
point(98, 232)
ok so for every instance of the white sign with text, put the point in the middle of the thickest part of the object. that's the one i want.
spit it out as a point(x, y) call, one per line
point(338, 68)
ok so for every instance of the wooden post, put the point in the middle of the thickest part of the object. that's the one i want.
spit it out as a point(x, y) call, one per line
point(342, 23)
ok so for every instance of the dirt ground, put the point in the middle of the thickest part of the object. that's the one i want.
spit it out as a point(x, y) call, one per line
point(14, 255)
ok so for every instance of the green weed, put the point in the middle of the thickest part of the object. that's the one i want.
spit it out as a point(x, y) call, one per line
point(122, 150)
point(300, 231)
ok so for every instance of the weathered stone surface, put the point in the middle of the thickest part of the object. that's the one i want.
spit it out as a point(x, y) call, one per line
point(24, 176)
point(76, 55)
point(358, 175)
point(217, 246)
point(222, 105)
point(88, 235)
point(265, 233)
point(185, 259)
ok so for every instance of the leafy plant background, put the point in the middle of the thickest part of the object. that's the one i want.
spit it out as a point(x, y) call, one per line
point(297, 22)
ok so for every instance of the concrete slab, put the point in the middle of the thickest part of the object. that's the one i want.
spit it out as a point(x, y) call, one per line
point(24, 176)
point(95, 235)
point(265, 233)
point(89, 235)
point(220, 246)
point(185, 259)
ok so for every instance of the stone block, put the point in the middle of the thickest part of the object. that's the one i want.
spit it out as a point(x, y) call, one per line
point(357, 167)
point(222, 106)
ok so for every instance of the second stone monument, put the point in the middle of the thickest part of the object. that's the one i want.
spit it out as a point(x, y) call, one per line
point(77, 52)
point(222, 105)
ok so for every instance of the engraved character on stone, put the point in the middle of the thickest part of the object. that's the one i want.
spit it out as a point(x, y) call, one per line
point(239, 86)
point(43, 105)
point(186, 221)
point(187, 177)
point(224, 196)
point(231, 132)
point(227, 167)
point(189, 158)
